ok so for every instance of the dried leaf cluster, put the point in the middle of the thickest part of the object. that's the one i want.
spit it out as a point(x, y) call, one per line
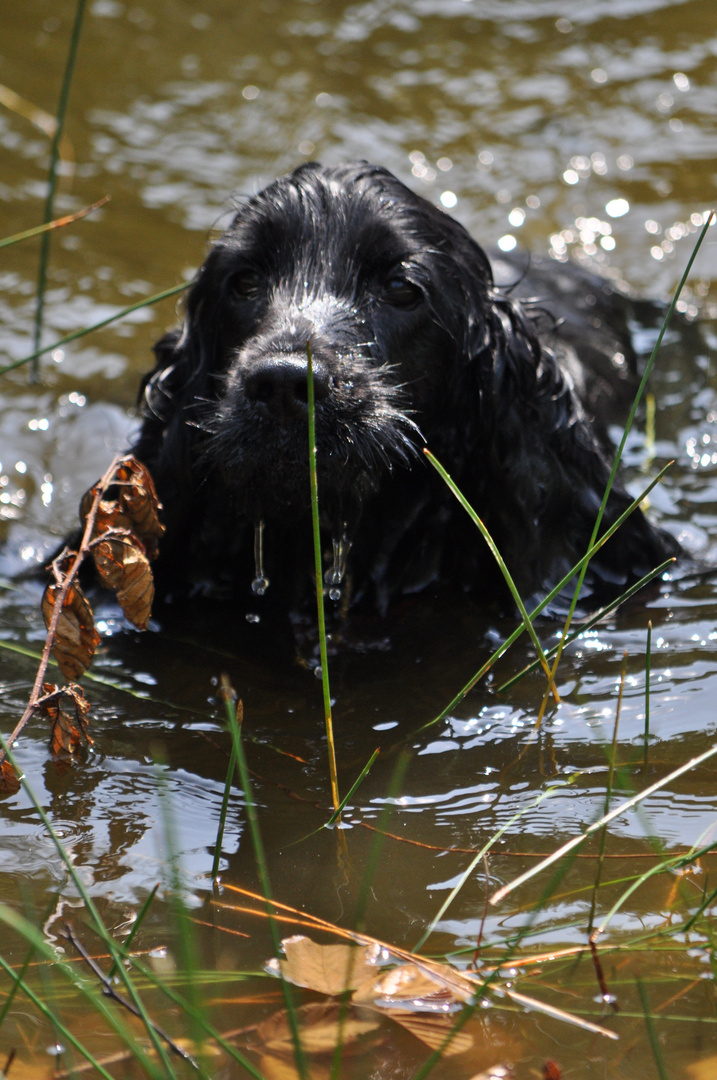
point(121, 534)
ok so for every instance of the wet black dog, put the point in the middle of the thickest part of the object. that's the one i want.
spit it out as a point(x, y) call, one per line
point(413, 344)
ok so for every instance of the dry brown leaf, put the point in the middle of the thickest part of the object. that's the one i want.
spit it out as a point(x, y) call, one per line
point(9, 782)
point(124, 568)
point(320, 1026)
point(140, 503)
point(433, 1031)
point(76, 639)
point(68, 710)
point(327, 969)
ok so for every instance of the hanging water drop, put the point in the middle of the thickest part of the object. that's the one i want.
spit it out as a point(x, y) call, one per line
point(260, 583)
point(335, 574)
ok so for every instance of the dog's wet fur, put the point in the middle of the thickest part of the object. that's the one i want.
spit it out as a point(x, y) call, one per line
point(416, 340)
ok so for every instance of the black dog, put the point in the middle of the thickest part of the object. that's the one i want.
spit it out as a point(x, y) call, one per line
point(413, 344)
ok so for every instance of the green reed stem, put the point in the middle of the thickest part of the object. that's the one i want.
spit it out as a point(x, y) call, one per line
point(127, 943)
point(95, 326)
point(233, 714)
point(608, 796)
point(320, 581)
point(651, 1033)
point(93, 911)
point(223, 815)
point(361, 776)
point(52, 172)
point(621, 447)
point(527, 622)
point(648, 661)
point(57, 223)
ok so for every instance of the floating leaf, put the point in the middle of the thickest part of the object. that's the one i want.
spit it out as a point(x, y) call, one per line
point(327, 969)
point(9, 782)
point(124, 568)
point(76, 638)
point(322, 1027)
point(68, 710)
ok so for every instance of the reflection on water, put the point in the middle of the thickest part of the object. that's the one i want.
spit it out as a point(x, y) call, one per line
point(585, 133)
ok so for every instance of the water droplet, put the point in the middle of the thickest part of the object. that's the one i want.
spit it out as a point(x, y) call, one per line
point(318, 672)
point(55, 1050)
point(335, 574)
point(260, 583)
point(252, 618)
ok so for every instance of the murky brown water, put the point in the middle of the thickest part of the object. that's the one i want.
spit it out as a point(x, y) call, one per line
point(587, 130)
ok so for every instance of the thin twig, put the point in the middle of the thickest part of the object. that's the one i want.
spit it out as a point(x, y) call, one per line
point(109, 991)
point(36, 696)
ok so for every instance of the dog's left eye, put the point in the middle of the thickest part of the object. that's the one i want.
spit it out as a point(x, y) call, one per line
point(402, 293)
point(245, 284)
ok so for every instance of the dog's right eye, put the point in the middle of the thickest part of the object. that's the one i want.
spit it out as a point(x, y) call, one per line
point(245, 284)
point(402, 293)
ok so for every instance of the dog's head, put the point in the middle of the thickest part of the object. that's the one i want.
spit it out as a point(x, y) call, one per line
point(346, 263)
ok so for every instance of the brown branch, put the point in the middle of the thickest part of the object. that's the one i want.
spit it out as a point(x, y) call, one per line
point(64, 582)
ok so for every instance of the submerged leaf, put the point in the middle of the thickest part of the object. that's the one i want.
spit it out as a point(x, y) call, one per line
point(322, 1027)
point(124, 568)
point(327, 969)
point(9, 782)
point(433, 1031)
point(76, 639)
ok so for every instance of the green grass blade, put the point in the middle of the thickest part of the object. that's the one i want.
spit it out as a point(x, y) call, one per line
point(349, 794)
point(142, 914)
point(223, 814)
point(57, 223)
point(320, 581)
point(527, 621)
point(95, 326)
point(606, 819)
point(262, 866)
point(52, 171)
point(651, 1033)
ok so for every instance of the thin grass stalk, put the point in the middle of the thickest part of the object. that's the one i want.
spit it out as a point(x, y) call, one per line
point(92, 910)
point(63, 1031)
point(320, 580)
point(667, 866)
point(95, 326)
point(527, 622)
point(58, 223)
point(223, 815)
point(480, 855)
point(233, 722)
point(52, 172)
point(36, 939)
point(563, 850)
point(184, 926)
point(512, 638)
point(651, 1033)
point(141, 916)
point(618, 456)
point(608, 795)
point(359, 780)
point(587, 624)
point(648, 660)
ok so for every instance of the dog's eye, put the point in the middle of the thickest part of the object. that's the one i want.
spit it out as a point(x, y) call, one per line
point(401, 293)
point(245, 284)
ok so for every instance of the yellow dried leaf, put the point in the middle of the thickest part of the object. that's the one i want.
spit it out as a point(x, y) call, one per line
point(327, 969)
point(76, 638)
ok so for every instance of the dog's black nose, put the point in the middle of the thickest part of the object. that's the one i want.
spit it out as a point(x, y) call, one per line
point(280, 384)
